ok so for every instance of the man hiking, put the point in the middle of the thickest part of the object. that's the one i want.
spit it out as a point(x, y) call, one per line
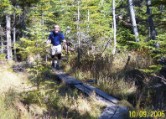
point(56, 38)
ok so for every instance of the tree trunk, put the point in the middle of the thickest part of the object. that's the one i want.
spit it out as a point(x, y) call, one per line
point(1, 39)
point(114, 26)
point(8, 37)
point(152, 30)
point(78, 32)
point(134, 24)
point(14, 38)
point(14, 41)
point(2, 46)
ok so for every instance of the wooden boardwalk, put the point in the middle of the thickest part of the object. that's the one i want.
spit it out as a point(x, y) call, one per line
point(113, 110)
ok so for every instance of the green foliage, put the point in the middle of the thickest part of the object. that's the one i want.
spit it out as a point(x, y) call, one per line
point(34, 97)
point(152, 69)
point(42, 14)
point(5, 6)
point(4, 3)
point(33, 46)
point(125, 36)
point(159, 2)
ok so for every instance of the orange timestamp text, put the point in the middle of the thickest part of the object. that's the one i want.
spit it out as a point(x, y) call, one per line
point(147, 114)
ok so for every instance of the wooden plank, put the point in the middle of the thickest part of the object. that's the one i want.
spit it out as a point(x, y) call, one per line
point(72, 81)
point(113, 110)
point(68, 79)
point(83, 89)
point(101, 93)
point(89, 92)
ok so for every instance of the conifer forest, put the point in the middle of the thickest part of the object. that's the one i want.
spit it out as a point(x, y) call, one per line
point(82, 59)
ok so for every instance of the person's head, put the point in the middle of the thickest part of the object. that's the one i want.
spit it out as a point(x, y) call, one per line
point(56, 28)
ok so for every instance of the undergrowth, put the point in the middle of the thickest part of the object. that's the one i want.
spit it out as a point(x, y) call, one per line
point(63, 102)
point(51, 100)
point(8, 109)
point(123, 75)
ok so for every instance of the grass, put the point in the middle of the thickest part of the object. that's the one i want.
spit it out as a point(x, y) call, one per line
point(152, 69)
point(63, 102)
point(2, 57)
point(123, 75)
point(10, 79)
point(108, 72)
point(11, 84)
point(118, 87)
point(7, 110)
point(52, 100)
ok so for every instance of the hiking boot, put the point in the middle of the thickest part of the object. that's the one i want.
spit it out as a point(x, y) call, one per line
point(53, 65)
point(57, 67)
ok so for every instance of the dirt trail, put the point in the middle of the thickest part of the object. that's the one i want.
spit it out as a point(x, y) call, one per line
point(11, 80)
point(17, 82)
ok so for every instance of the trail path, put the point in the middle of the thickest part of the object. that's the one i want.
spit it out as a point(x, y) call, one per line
point(19, 83)
point(10, 80)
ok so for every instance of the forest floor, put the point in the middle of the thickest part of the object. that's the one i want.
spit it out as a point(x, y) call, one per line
point(21, 99)
point(11, 80)
point(11, 84)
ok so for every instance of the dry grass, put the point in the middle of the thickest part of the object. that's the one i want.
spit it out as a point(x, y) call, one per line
point(7, 110)
point(117, 87)
point(11, 107)
point(52, 100)
point(11, 80)
point(111, 73)
point(47, 99)
point(11, 84)
point(106, 66)
point(83, 105)
point(62, 102)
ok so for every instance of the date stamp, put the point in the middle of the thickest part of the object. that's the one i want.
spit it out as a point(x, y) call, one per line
point(147, 114)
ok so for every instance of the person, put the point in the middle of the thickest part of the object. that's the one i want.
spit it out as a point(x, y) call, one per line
point(56, 37)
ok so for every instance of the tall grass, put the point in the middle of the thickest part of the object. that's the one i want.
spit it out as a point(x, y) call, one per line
point(118, 87)
point(118, 75)
point(7, 108)
point(52, 100)
point(63, 102)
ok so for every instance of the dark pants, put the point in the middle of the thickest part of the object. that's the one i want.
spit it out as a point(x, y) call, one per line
point(56, 56)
